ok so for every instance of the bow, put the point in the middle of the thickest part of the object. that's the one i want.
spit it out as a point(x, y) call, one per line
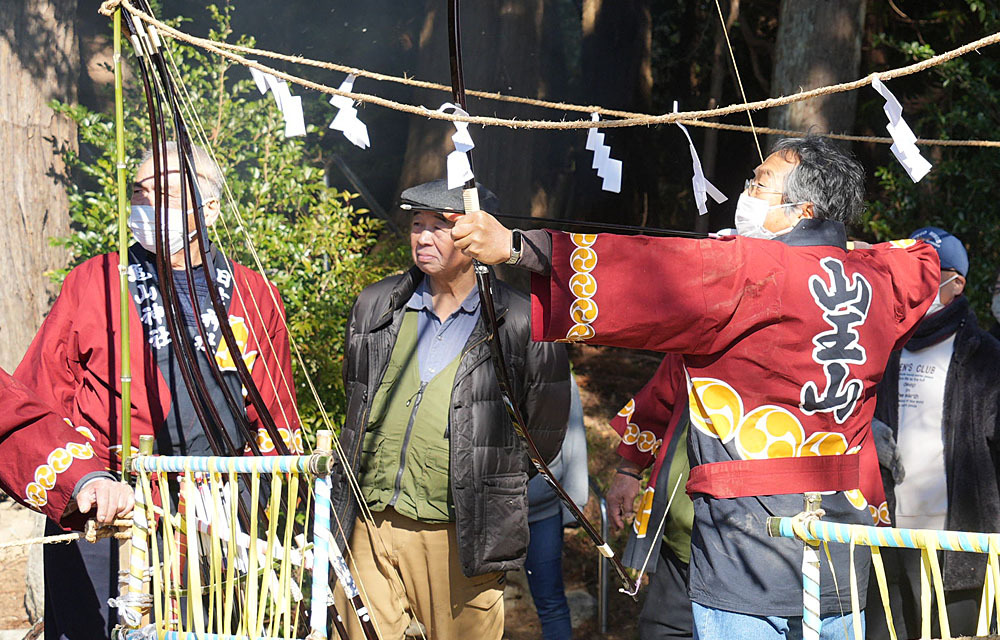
point(470, 197)
point(162, 101)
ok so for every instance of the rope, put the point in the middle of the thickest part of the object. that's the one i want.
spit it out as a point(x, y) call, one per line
point(91, 533)
point(628, 119)
point(994, 144)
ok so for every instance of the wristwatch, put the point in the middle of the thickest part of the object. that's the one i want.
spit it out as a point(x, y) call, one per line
point(515, 247)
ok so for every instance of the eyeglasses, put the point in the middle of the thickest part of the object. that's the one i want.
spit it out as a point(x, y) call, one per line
point(751, 186)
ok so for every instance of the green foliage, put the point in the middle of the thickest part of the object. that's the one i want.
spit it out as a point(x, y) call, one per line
point(312, 243)
point(956, 100)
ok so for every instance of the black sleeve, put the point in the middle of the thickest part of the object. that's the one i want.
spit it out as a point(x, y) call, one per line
point(546, 396)
point(536, 252)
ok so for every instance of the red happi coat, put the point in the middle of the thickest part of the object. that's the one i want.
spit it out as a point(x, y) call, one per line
point(782, 345)
point(43, 457)
point(647, 424)
point(72, 364)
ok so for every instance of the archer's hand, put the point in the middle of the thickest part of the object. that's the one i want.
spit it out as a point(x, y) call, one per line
point(113, 499)
point(621, 500)
point(480, 236)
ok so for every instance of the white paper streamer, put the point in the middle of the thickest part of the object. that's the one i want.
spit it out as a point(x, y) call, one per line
point(346, 119)
point(608, 169)
point(702, 187)
point(291, 106)
point(904, 145)
point(459, 167)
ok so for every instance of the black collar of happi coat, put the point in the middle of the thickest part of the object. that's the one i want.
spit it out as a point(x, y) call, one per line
point(813, 232)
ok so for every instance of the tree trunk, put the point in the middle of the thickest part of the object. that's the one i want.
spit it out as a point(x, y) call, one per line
point(719, 64)
point(818, 44)
point(616, 63)
point(40, 62)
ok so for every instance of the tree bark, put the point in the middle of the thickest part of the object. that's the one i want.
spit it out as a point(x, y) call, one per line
point(719, 63)
point(818, 44)
point(40, 62)
point(616, 62)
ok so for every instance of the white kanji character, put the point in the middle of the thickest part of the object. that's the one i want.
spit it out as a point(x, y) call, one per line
point(146, 292)
point(152, 314)
point(159, 337)
point(210, 320)
point(224, 277)
point(136, 273)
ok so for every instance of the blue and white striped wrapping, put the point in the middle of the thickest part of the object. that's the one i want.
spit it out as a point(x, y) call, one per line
point(821, 530)
point(239, 464)
point(811, 621)
point(321, 554)
point(144, 634)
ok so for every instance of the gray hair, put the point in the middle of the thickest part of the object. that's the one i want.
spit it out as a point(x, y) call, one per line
point(830, 179)
point(210, 181)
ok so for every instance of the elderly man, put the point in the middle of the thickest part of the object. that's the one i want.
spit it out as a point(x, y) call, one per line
point(73, 366)
point(940, 400)
point(784, 334)
point(441, 472)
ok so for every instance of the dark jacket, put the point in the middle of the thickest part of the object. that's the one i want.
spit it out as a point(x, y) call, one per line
point(489, 465)
point(971, 425)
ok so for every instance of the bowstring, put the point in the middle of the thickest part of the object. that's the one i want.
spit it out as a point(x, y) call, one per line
point(659, 531)
point(736, 70)
point(187, 105)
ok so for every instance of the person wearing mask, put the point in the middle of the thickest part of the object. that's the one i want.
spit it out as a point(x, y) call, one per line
point(784, 334)
point(72, 365)
point(939, 404)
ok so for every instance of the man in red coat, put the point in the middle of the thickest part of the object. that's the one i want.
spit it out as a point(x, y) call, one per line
point(72, 365)
point(64, 483)
point(784, 334)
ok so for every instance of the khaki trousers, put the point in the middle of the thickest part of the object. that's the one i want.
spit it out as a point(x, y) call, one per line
point(401, 564)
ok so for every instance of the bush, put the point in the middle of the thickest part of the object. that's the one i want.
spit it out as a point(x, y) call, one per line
point(313, 244)
point(954, 100)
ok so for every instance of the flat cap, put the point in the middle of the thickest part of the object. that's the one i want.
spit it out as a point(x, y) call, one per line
point(436, 195)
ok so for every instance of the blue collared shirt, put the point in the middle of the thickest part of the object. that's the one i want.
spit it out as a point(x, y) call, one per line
point(438, 343)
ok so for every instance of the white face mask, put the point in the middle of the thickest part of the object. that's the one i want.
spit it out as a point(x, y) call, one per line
point(937, 305)
point(995, 307)
point(142, 223)
point(751, 213)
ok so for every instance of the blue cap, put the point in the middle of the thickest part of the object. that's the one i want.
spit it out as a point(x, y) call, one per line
point(949, 248)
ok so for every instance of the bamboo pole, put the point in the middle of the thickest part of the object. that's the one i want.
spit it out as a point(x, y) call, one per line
point(125, 364)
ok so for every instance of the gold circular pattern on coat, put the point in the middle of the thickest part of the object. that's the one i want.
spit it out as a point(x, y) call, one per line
point(716, 408)
point(583, 285)
point(583, 239)
point(583, 311)
point(583, 259)
point(45, 476)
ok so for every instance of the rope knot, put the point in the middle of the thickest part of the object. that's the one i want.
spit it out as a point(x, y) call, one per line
point(801, 522)
point(92, 532)
point(108, 7)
